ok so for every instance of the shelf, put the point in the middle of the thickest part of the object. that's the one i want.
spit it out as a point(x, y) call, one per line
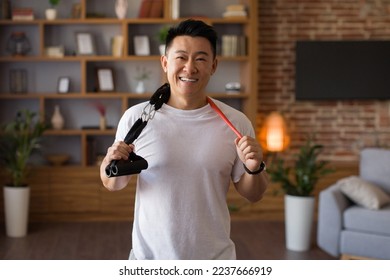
point(97, 58)
point(43, 72)
point(122, 21)
point(80, 132)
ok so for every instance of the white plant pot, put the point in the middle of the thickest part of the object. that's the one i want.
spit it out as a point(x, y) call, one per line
point(51, 14)
point(16, 208)
point(162, 49)
point(140, 88)
point(299, 212)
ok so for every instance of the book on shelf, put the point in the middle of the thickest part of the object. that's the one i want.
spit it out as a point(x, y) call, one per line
point(151, 9)
point(233, 45)
point(242, 46)
point(117, 45)
point(235, 11)
point(226, 45)
point(156, 11)
point(241, 14)
point(22, 14)
point(55, 51)
point(235, 7)
point(5, 9)
point(144, 9)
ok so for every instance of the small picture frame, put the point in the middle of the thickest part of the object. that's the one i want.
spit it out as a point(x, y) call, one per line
point(141, 45)
point(63, 85)
point(85, 43)
point(105, 79)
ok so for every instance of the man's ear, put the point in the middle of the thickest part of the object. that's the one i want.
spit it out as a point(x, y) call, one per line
point(164, 62)
point(214, 66)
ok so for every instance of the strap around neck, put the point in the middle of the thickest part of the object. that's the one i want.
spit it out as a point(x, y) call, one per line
point(161, 96)
point(163, 93)
point(223, 117)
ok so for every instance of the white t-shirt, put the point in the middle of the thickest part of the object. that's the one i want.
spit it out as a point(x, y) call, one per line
point(180, 206)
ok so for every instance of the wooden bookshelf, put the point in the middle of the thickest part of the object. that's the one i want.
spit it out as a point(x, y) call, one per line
point(44, 71)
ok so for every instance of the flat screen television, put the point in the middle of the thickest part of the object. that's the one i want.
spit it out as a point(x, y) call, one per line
point(342, 70)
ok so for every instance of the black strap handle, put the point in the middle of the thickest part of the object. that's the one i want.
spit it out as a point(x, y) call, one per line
point(135, 164)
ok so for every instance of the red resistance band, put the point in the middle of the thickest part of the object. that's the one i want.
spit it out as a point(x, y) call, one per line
point(222, 115)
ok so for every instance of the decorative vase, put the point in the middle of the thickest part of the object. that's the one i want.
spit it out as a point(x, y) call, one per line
point(103, 122)
point(121, 7)
point(51, 14)
point(16, 207)
point(57, 120)
point(140, 87)
point(299, 212)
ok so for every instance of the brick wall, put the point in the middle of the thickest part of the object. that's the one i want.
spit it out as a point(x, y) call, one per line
point(344, 127)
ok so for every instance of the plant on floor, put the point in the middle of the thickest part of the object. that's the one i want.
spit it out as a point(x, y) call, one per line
point(18, 140)
point(306, 172)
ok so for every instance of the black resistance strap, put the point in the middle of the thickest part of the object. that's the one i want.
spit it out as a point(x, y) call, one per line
point(135, 164)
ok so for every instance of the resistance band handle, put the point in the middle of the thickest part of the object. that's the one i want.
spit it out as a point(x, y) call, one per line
point(222, 115)
point(112, 169)
point(134, 165)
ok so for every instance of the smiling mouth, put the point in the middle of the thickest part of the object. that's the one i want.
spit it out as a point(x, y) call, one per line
point(188, 80)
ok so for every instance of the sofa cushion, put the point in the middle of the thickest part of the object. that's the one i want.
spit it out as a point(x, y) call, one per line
point(361, 219)
point(364, 193)
point(363, 244)
point(374, 167)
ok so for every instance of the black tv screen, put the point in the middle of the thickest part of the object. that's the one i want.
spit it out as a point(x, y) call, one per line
point(342, 70)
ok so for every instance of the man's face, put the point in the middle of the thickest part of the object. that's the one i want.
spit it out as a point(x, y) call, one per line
point(189, 63)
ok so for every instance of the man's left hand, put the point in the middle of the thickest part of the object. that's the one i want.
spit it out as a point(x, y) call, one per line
point(250, 152)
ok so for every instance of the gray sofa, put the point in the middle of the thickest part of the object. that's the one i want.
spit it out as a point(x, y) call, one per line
point(347, 229)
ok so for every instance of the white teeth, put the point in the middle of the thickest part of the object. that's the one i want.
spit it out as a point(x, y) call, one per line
point(187, 80)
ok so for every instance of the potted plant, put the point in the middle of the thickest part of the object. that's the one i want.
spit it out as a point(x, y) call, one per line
point(298, 183)
point(18, 140)
point(162, 36)
point(142, 75)
point(51, 13)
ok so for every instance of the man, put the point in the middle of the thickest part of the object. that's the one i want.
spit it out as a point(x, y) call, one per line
point(180, 207)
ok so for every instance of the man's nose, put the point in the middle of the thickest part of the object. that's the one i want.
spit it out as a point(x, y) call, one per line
point(190, 66)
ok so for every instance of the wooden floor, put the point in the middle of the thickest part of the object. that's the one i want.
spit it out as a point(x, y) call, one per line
point(255, 240)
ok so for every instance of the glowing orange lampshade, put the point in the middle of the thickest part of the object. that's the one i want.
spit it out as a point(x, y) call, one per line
point(273, 134)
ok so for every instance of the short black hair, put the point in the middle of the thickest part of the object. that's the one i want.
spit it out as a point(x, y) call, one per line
point(193, 28)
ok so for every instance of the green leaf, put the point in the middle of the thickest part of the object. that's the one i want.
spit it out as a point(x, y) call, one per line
point(18, 140)
point(306, 172)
